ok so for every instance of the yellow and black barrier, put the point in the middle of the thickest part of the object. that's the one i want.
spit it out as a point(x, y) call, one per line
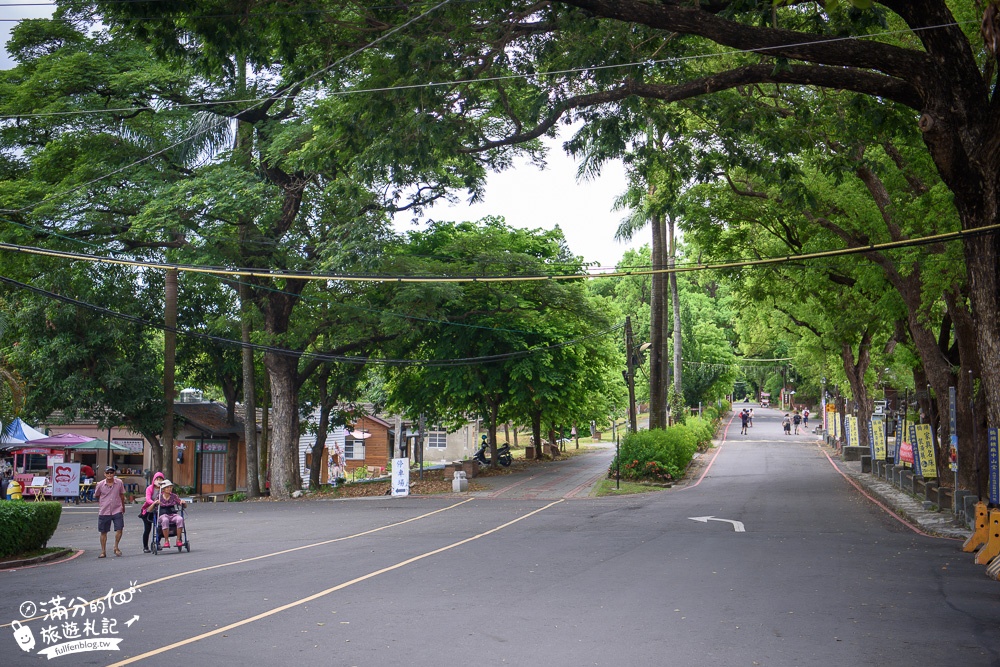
point(981, 534)
point(992, 547)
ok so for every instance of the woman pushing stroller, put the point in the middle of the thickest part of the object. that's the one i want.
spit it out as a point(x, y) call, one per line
point(168, 507)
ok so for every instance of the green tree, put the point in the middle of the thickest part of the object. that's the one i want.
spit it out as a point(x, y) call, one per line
point(514, 332)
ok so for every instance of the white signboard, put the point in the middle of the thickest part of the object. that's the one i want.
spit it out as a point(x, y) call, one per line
point(66, 480)
point(400, 477)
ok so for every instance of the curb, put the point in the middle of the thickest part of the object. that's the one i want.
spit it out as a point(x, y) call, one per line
point(24, 562)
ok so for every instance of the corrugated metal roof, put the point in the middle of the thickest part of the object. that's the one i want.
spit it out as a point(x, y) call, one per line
point(208, 417)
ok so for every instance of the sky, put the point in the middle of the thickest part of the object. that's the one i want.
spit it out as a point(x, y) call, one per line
point(524, 195)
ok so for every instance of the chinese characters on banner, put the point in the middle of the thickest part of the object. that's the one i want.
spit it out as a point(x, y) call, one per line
point(925, 446)
point(994, 454)
point(853, 438)
point(876, 431)
point(400, 477)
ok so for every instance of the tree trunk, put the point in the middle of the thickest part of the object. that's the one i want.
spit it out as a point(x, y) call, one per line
point(322, 430)
point(657, 304)
point(169, 353)
point(264, 451)
point(855, 371)
point(283, 372)
point(491, 428)
point(249, 394)
point(536, 432)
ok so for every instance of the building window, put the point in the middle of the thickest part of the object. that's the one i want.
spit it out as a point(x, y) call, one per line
point(354, 449)
point(437, 438)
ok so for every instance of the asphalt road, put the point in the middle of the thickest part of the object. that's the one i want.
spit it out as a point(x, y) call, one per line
point(539, 574)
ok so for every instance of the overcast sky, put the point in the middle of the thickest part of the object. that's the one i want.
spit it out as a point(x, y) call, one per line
point(524, 195)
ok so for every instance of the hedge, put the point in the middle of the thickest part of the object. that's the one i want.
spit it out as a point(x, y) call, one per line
point(26, 526)
point(656, 455)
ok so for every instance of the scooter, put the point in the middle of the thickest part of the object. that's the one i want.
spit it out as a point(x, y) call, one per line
point(504, 457)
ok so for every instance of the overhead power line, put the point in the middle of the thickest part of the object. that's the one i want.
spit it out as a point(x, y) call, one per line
point(384, 278)
point(319, 356)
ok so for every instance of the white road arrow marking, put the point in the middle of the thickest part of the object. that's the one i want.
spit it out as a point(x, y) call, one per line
point(737, 525)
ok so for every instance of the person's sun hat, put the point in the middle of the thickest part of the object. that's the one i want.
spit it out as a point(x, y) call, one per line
point(164, 483)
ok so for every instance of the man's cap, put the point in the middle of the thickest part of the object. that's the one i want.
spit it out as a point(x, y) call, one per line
point(109, 469)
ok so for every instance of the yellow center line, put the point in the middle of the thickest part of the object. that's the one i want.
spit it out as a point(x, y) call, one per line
point(270, 555)
point(316, 596)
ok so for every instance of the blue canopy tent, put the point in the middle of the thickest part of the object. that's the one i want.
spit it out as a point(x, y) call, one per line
point(18, 433)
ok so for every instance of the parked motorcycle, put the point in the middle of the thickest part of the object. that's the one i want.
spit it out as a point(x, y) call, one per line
point(504, 456)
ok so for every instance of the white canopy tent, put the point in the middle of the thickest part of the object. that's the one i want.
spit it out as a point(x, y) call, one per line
point(19, 434)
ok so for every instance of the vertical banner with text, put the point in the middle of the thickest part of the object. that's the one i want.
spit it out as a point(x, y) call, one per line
point(953, 430)
point(925, 445)
point(994, 456)
point(853, 435)
point(878, 439)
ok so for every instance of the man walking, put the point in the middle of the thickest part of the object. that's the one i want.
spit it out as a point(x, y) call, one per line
point(110, 495)
point(744, 419)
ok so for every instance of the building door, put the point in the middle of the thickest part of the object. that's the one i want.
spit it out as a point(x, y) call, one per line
point(213, 472)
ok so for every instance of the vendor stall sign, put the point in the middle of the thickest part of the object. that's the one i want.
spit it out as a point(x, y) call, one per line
point(66, 480)
point(905, 453)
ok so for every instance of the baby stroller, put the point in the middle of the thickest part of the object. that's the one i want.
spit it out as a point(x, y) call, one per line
point(158, 532)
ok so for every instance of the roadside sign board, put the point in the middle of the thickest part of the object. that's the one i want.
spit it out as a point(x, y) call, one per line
point(401, 477)
point(66, 480)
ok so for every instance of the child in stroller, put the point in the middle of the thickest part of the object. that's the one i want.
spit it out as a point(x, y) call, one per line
point(169, 519)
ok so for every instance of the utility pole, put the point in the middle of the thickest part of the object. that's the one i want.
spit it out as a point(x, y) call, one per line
point(630, 374)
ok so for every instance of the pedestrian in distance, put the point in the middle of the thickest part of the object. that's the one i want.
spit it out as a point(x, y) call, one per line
point(750, 417)
point(110, 495)
point(796, 420)
point(786, 424)
point(744, 420)
point(805, 418)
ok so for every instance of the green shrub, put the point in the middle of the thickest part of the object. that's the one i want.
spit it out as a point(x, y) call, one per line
point(710, 414)
point(659, 455)
point(237, 497)
point(26, 526)
point(702, 430)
